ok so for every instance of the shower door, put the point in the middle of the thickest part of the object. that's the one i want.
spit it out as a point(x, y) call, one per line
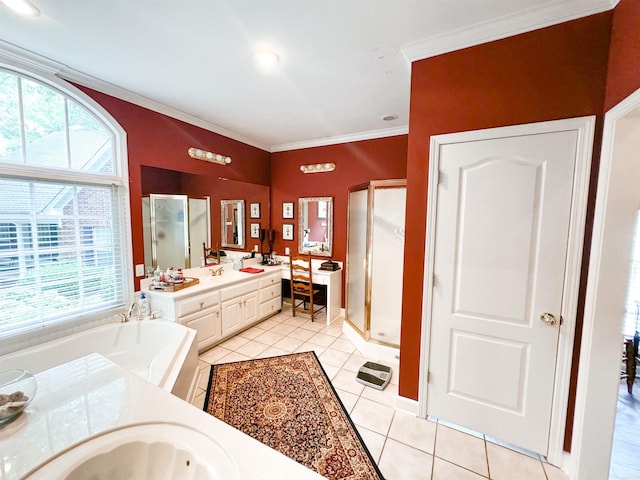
point(357, 259)
point(387, 218)
point(375, 259)
point(169, 230)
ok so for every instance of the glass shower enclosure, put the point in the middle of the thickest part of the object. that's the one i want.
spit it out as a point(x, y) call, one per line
point(174, 228)
point(375, 259)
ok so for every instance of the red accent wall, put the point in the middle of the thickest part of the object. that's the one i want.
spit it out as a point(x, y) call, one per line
point(156, 140)
point(356, 163)
point(624, 54)
point(551, 73)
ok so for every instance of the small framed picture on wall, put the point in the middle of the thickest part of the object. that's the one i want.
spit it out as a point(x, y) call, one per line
point(287, 231)
point(255, 210)
point(255, 230)
point(287, 210)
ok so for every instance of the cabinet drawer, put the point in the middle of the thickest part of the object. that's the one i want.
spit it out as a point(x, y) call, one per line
point(239, 289)
point(269, 293)
point(270, 307)
point(271, 280)
point(197, 303)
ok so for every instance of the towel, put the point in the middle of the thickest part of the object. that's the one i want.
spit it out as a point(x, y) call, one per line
point(252, 270)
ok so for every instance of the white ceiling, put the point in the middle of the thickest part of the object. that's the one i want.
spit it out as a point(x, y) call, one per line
point(344, 63)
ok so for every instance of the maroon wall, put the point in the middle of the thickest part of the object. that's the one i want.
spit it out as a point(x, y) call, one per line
point(551, 73)
point(624, 55)
point(356, 163)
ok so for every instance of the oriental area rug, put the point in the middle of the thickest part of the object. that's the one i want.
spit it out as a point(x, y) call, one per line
point(289, 404)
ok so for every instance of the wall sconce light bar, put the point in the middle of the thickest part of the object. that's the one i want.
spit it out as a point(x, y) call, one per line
point(200, 154)
point(318, 168)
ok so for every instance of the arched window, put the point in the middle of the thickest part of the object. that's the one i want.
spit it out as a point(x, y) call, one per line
point(63, 222)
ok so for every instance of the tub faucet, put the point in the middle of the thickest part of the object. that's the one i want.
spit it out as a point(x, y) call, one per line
point(134, 306)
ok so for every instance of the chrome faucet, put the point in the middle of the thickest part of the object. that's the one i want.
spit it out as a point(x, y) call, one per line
point(134, 306)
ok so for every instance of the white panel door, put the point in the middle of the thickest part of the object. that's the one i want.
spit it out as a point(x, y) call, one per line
point(503, 213)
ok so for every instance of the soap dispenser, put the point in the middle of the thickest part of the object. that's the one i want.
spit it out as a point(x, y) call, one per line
point(145, 310)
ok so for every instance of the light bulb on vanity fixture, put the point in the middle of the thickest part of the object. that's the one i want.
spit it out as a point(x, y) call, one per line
point(318, 168)
point(200, 154)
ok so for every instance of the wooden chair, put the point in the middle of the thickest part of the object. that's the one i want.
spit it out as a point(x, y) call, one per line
point(302, 287)
point(211, 256)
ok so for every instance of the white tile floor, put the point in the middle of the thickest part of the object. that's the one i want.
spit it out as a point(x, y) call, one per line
point(404, 446)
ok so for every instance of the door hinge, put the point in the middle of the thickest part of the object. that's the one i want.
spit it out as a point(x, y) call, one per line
point(437, 179)
point(428, 376)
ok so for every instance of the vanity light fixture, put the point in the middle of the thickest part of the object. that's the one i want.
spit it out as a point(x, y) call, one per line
point(23, 7)
point(200, 154)
point(318, 168)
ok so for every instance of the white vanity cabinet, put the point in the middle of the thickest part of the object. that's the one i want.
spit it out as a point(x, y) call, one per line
point(220, 309)
point(270, 296)
point(239, 306)
point(200, 312)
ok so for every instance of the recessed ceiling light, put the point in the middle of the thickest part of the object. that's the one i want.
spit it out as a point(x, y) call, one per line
point(389, 117)
point(23, 7)
point(267, 58)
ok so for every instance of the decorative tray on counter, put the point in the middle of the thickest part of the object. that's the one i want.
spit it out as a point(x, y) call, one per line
point(174, 287)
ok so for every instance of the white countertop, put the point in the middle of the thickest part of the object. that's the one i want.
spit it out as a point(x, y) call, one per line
point(207, 281)
point(90, 395)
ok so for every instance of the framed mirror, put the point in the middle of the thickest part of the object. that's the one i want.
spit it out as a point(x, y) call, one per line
point(315, 226)
point(232, 214)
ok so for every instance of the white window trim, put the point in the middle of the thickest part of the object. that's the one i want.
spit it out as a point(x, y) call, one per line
point(31, 67)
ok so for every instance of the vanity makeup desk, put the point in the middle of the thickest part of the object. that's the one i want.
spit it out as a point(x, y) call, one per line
point(329, 280)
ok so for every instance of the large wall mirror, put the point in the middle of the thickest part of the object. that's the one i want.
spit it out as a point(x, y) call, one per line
point(232, 214)
point(204, 194)
point(315, 226)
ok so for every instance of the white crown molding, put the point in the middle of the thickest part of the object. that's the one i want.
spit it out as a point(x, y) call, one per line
point(352, 137)
point(26, 59)
point(506, 26)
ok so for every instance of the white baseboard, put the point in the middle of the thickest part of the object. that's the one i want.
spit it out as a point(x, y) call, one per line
point(407, 405)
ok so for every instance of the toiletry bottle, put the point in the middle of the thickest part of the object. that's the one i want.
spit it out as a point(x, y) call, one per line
point(145, 309)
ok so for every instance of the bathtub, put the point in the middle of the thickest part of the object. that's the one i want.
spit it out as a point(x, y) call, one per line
point(162, 352)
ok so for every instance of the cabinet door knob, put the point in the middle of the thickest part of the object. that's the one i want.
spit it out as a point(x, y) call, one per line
point(201, 304)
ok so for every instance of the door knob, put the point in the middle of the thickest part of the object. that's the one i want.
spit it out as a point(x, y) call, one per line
point(548, 318)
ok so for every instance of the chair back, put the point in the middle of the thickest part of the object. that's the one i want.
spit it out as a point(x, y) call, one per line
point(300, 270)
point(211, 256)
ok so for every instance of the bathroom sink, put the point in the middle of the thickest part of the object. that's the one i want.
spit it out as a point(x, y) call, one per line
point(141, 451)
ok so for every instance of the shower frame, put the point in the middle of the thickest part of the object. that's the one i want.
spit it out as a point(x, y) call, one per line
point(353, 270)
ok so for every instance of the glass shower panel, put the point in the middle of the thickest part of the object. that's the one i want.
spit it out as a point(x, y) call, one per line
point(387, 263)
point(169, 231)
point(356, 259)
point(199, 229)
point(146, 234)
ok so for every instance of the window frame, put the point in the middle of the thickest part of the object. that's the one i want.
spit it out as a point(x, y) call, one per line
point(120, 178)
